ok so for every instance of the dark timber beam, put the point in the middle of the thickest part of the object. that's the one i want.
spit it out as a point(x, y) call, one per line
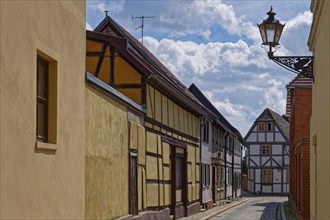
point(128, 86)
point(112, 65)
point(99, 63)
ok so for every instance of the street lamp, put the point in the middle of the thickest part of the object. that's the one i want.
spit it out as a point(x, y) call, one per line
point(270, 31)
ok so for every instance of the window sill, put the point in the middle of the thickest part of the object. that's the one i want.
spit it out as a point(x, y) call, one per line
point(45, 146)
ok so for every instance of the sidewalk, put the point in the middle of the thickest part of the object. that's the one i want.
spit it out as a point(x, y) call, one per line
point(215, 210)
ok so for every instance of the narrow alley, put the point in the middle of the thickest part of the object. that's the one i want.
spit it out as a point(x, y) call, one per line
point(256, 207)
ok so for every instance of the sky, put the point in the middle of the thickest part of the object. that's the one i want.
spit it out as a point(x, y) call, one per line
point(215, 44)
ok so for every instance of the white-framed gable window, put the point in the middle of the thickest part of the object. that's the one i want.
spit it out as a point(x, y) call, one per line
point(206, 132)
point(261, 126)
point(270, 126)
point(265, 149)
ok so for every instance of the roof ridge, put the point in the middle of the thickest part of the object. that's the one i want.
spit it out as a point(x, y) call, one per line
point(149, 57)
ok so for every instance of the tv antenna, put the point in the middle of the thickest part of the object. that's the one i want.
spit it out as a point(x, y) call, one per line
point(142, 24)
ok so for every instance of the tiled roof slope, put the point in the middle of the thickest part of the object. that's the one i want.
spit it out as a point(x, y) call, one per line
point(147, 55)
point(299, 80)
point(283, 124)
point(201, 97)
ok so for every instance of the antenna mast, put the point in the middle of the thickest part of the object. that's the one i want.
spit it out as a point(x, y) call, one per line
point(142, 23)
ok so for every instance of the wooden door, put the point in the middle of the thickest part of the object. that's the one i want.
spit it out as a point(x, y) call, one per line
point(133, 193)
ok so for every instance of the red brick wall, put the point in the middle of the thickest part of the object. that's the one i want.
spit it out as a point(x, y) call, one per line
point(299, 151)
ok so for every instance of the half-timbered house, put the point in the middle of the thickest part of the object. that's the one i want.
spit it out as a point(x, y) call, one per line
point(225, 154)
point(268, 154)
point(212, 155)
point(143, 129)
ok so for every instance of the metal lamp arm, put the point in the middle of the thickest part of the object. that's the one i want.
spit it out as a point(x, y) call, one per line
point(297, 64)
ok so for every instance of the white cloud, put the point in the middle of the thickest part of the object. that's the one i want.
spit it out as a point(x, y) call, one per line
point(200, 17)
point(295, 34)
point(236, 76)
point(232, 75)
point(113, 6)
point(227, 108)
point(187, 58)
point(89, 27)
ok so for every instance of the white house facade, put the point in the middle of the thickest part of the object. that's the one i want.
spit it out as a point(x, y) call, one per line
point(268, 154)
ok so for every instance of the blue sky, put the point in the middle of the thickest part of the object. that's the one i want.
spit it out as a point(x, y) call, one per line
point(216, 45)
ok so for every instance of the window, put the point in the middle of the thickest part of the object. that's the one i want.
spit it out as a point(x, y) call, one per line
point(269, 126)
point(206, 132)
point(206, 175)
point(265, 149)
point(203, 175)
point(46, 101)
point(229, 176)
point(267, 176)
point(207, 181)
point(42, 99)
point(220, 177)
point(231, 145)
point(261, 126)
point(178, 172)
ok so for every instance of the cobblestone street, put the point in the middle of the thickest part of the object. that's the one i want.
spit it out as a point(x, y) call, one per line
point(261, 207)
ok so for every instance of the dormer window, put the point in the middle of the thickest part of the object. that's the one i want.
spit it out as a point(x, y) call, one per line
point(269, 126)
point(261, 126)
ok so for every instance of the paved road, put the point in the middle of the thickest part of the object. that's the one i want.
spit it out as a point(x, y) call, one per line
point(260, 207)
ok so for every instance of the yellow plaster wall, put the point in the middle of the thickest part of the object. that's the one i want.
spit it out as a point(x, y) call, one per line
point(133, 94)
point(152, 195)
point(125, 73)
point(141, 143)
point(167, 112)
point(152, 142)
point(320, 120)
point(164, 110)
point(106, 190)
point(151, 168)
point(43, 183)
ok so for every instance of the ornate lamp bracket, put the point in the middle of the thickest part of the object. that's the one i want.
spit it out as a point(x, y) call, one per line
point(301, 65)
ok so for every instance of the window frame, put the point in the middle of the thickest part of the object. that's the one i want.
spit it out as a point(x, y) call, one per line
point(270, 126)
point(261, 126)
point(208, 176)
point(42, 100)
point(206, 132)
point(267, 149)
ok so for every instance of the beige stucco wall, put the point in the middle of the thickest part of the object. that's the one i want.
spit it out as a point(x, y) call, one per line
point(106, 156)
point(320, 121)
point(41, 183)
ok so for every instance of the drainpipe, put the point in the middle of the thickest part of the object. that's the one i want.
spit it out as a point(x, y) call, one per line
point(203, 121)
point(232, 169)
point(225, 137)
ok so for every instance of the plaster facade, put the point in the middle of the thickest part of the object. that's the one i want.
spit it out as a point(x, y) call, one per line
point(42, 180)
point(107, 130)
point(319, 44)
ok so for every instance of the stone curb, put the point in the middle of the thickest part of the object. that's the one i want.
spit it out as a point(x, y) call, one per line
point(223, 210)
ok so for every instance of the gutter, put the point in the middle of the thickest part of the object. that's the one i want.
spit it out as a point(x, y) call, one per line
point(225, 137)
